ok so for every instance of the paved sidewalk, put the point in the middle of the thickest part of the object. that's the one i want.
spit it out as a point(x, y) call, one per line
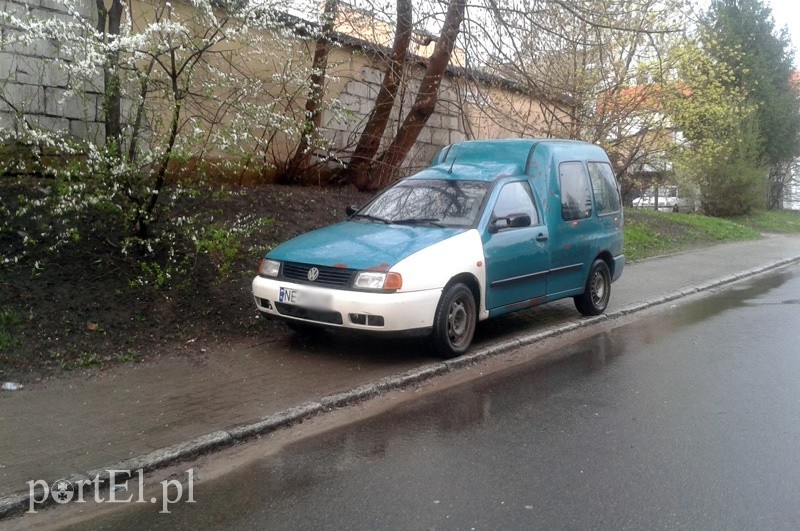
point(146, 415)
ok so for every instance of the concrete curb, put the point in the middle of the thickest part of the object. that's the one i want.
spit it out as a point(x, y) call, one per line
point(18, 502)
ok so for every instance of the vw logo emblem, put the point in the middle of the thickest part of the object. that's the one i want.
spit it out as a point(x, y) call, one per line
point(313, 274)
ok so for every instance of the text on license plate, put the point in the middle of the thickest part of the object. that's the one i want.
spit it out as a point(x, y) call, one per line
point(309, 299)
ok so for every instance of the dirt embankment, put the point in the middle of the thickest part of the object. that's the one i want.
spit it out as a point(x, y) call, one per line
point(80, 309)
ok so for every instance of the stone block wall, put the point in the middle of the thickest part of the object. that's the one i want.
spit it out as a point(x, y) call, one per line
point(34, 87)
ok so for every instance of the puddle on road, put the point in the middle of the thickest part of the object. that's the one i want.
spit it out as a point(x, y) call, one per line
point(732, 297)
point(478, 402)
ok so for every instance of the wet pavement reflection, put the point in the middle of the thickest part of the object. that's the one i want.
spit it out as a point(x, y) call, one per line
point(689, 418)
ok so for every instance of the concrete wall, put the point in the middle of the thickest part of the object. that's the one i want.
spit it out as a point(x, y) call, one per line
point(35, 87)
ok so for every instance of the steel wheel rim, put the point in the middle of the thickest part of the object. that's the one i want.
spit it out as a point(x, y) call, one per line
point(599, 290)
point(457, 322)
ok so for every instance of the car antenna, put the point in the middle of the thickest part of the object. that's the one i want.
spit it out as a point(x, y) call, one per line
point(455, 157)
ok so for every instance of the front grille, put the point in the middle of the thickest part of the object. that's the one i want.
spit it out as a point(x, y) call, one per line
point(330, 277)
point(321, 316)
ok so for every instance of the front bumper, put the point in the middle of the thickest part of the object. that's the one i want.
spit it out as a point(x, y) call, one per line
point(357, 310)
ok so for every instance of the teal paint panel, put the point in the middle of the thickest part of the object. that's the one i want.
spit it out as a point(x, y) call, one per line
point(360, 245)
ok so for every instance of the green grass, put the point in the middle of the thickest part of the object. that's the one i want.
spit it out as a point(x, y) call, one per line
point(649, 233)
point(642, 240)
point(776, 221)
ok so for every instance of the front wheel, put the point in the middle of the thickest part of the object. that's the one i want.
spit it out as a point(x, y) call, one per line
point(454, 323)
point(594, 299)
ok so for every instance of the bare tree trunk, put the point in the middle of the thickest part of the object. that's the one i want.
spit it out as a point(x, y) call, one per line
point(144, 214)
point(425, 102)
point(655, 197)
point(776, 184)
point(313, 110)
point(370, 139)
point(108, 23)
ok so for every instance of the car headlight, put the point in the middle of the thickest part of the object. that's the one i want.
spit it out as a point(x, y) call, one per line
point(269, 268)
point(375, 280)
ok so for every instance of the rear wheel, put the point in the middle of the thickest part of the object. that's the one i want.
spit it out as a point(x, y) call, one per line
point(595, 296)
point(454, 323)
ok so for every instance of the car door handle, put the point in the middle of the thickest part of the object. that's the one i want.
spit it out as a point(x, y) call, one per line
point(541, 237)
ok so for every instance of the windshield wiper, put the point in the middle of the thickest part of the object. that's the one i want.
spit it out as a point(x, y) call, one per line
point(419, 221)
point(369, 217)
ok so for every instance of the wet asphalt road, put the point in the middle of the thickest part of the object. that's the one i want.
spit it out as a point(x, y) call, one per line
point(689, 418)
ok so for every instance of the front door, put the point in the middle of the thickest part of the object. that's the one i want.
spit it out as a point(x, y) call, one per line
point(517, 257)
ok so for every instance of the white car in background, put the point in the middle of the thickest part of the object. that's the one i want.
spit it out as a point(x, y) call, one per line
point(667, 197)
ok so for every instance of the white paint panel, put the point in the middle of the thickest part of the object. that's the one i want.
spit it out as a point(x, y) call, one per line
point(401, 311)
point(434, 266)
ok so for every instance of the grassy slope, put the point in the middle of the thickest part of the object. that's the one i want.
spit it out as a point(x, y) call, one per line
point(649, 233)
point(780, 221)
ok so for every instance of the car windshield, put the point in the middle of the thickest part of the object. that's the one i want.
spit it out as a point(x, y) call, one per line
point(446, 203)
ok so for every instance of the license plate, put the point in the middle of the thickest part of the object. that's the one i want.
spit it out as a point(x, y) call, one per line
point(308, 299)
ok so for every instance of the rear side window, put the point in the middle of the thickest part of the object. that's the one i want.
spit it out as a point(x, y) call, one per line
point(606, 193)
point(576, 194)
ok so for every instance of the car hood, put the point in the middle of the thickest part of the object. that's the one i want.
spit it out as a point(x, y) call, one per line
point(357, 245)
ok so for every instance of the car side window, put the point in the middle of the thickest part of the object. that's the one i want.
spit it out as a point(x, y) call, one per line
point(515, 198)
point(606, 193)
point(576, 194)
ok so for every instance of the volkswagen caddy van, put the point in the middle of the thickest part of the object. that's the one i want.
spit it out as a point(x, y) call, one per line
point(489, 228)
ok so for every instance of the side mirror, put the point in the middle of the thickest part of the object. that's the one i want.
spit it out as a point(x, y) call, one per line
point(350, 210)
point(514, 221)
point(519, 220)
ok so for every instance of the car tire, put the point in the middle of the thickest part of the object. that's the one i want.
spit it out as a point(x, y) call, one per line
point(454, 321)
point(595, 296)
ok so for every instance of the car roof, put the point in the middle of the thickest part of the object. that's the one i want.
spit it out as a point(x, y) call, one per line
point(488, 160)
